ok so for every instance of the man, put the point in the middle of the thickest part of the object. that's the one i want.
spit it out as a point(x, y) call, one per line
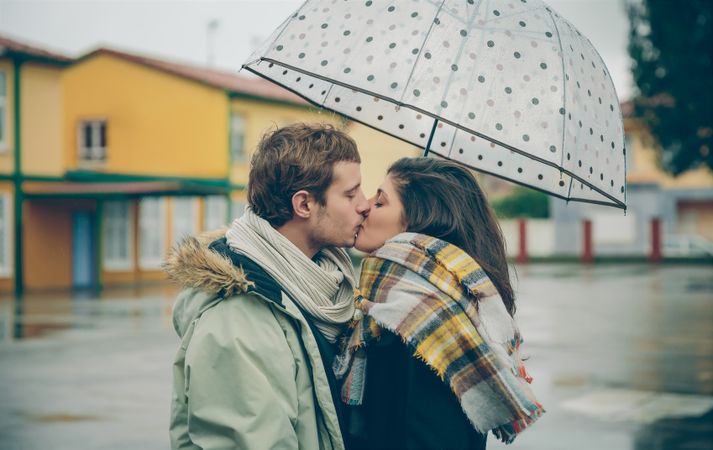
point(264, 304)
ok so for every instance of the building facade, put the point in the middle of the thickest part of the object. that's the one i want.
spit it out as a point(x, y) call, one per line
point(682, 206)
point(121, 155)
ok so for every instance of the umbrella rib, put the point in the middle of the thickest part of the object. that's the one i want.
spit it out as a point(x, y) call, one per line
point(456, 59)
point(447, 12)
point(283, 27)
point(507, 16)
point(420, 50)
point(430, 138)
point(564, 99)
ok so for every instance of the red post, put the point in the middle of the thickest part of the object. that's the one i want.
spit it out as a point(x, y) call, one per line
point(655, 256)
point(587, 253)
point(522, 244)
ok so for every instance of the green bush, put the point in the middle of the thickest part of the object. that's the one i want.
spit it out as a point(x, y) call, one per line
point(523, 202)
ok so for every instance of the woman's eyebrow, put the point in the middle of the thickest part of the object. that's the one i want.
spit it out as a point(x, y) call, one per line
point(380, 193)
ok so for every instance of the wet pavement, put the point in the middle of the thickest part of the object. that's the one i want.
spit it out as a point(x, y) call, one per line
point(622, 357)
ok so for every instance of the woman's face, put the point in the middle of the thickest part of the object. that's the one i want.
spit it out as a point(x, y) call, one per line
point(384, 219)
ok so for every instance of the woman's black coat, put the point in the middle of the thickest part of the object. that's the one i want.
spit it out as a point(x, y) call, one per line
point(407, 406)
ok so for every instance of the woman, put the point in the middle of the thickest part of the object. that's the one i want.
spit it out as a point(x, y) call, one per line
point(434, 362)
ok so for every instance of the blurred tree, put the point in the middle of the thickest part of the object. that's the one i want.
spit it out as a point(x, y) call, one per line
point(523, 202)
point(671, 48)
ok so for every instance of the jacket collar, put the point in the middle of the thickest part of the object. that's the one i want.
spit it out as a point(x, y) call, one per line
point(206, 262)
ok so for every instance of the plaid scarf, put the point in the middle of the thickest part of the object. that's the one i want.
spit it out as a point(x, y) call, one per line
point(444, 307)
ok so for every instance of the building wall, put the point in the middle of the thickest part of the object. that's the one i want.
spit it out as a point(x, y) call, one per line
point(539, 236)
point(651, 193)
point(644, 162)
point(47, 242)
point(377, 150)
point(7, 151)
point(695, 216)
point(613, 231)
point(157, 123)
point(41, 120)
point(261, 117)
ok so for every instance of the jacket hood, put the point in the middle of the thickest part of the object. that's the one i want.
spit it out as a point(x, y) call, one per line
point(193, 264)
point(210, 271)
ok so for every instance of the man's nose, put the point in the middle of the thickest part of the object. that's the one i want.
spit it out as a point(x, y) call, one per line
point(363, 206)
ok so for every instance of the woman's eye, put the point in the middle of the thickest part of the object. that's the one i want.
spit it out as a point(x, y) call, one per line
point(378, 205)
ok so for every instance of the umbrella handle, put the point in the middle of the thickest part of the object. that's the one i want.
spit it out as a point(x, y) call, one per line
point(430, 138)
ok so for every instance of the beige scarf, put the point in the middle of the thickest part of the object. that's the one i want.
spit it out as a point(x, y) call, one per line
point(323, 286)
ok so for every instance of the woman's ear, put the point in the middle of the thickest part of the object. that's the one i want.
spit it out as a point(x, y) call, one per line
point(302, 203)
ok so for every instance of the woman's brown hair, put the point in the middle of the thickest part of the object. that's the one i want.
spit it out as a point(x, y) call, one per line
point(443, 199)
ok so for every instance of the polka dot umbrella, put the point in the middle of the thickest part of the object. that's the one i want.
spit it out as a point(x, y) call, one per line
point(506, 87)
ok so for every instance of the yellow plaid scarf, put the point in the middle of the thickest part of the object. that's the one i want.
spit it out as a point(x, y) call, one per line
point(445, 308)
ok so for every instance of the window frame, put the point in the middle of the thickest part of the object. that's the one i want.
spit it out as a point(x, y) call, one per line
point(3, 112)
point(236, 157)
point(6, 269)
point(191, 220)
point(151, 262)
point(109, 263)
point(98, 153)
point(210, 203)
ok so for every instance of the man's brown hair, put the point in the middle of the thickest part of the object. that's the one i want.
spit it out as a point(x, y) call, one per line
point(294, 158)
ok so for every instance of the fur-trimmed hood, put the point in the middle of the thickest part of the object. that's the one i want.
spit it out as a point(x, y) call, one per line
point(209, 272)
point(193, 264)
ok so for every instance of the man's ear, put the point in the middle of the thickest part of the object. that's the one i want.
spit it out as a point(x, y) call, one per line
point(302, 204)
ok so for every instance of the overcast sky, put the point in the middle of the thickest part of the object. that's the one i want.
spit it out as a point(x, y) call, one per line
point(177, 30)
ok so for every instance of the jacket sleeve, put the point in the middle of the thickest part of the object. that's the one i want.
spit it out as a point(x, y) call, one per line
point(240, 381)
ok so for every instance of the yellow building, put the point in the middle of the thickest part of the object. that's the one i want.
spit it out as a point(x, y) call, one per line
point(139, 152)
point(30, 143)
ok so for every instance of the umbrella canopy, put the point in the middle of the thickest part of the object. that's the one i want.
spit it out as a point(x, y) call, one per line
point(506, 87)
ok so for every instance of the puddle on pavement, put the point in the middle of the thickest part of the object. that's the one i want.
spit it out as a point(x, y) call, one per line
point(44, 314)
point(689, 433)
point(61, 418)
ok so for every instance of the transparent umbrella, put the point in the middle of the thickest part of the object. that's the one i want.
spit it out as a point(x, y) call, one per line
point(506, 87)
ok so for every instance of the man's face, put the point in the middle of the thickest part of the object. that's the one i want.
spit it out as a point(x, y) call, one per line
point(337, 222)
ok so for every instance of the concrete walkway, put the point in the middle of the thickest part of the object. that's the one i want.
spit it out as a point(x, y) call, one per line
point(622, 357)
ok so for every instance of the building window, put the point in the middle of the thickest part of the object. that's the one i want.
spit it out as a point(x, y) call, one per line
point(237, 208)
point(3, 112)
point(92, 141)
point(5, 235)
point(238, 153)
point(215, 213)
point(118, 236)
point(184, 217)
point(152, 232)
